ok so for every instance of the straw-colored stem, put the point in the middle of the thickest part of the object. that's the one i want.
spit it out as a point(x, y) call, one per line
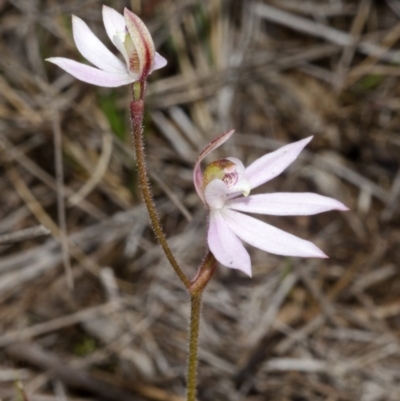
point(137, 110)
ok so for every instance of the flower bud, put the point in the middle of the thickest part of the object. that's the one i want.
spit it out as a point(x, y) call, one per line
point(139, 47)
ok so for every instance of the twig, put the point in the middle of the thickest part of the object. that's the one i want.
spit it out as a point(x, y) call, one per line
point(267, 320)
point(394, 6)
point(98, 173)
point(145, 390)
point(24, 235)
point(58, 323)
point(40, 213)
point(172, 196)
point(387, 42)
point(319, 30)
point(34, 355)
point(349, 50)
point(14, 153)
point(61, 198)
point(22, 391)
point(393, 201)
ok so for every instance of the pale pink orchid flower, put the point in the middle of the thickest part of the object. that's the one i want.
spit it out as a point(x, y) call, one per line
point(129, 35)
point(224, 188)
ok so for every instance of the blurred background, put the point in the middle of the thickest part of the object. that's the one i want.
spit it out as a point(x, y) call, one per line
point(275, 70)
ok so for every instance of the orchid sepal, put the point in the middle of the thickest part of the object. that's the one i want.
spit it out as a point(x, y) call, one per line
point(197, 173)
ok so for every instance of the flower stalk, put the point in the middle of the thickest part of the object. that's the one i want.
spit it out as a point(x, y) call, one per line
point(196, 289)
point(137, 112)
point(195, 311)
point(204, 274)
point(207, 268)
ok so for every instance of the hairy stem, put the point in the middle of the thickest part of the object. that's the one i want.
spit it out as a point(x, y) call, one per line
point(195, 302)
point(198, 284)
point(137, 110)
point(204, 274)
point(207, 268)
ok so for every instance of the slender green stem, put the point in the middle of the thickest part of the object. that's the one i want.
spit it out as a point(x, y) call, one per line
point(195, 303)
point(137, 110)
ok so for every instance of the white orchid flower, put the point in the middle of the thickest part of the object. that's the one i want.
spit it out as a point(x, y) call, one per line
point(129, 35)
point(224, 189)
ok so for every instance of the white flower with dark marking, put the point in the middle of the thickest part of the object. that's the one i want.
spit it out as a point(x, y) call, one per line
point(129, 35)
point(224, 189)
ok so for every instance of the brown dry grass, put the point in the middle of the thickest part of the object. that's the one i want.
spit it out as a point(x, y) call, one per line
point(300, 329)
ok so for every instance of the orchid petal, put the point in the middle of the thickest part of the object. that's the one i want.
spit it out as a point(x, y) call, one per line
point(159, 62)
point(272, 164)
point(119, 44)
point(142, 41)
point(226, 246)
point(114, 23)
point(93, 49)
point(215, 194)
point(90, 74)
point(286, 204)
point(197, 174)
point(268, 238)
